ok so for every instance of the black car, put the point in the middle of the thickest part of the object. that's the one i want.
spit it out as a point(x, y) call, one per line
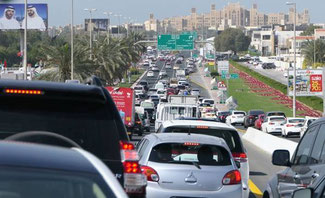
point(85, 114)
point(144, 84)
point(33, 170)
point(305, 169)
point(251, 117)
point(268, 66)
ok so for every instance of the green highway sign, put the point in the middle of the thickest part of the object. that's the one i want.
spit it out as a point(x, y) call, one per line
point(194, 34)
point(234, 76)
point(166, 42)
point(175, 42)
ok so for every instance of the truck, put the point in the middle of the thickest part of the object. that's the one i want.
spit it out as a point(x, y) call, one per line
point(180, 73)
point(124, 99)
point(177, 106)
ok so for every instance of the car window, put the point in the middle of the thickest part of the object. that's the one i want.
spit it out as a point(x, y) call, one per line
point(239, 113)
point(20, 183)
point(143, 147)
point(189, 152)
point(277, 119)
point(296, 121)
point(231, 137)
point(304, 148)
point(321, 140)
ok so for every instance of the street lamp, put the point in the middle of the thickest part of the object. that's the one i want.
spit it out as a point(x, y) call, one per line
point(72, 44)
point(128, 20)
point(119, 22)
point(90, 10)
point(109, 25)
point(295, 61)
point(25, 44)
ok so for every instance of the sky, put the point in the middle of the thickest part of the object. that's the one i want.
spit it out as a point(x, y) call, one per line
point(139, 10)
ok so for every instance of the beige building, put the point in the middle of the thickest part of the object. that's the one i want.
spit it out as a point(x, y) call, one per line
point(232, 15)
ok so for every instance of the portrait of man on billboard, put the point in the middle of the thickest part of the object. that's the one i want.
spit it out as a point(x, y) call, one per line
point(8, 20)
point(34, 21)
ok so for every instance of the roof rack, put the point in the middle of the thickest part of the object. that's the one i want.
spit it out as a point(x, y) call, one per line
point(94, 80)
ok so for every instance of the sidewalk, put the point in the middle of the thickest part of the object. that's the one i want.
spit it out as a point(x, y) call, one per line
point(200, 79)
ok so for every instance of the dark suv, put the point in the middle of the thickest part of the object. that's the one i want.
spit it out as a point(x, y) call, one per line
point(251, 117)
point(268, 66)
point(305, 169)
point(85, 114)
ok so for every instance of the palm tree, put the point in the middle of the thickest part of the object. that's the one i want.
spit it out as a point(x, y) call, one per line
point(310, 47)
point(57, 57)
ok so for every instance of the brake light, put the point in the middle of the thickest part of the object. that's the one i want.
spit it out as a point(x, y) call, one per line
point(150, 173)
point(290, 125)
point(251, 117)
point(231, 178)
point(23, 91)
point(138, 122)
point(191, 144)
point(202, 127)
point(126, 145)
point(241, 157)
point(131, 167)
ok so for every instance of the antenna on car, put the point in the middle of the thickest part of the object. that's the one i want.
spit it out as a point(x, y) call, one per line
point(94, 80)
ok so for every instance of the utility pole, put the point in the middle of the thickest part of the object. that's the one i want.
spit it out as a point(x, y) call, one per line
point(91, 10)
point(109, 25)
point(25, 44)
point(72, 44)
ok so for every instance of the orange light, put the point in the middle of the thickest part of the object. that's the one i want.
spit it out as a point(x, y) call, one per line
point(22, 91)
point(202, 127)
point(126, 145)
point(191, 144)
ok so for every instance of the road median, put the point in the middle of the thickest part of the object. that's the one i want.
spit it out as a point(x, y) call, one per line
point(268, 143)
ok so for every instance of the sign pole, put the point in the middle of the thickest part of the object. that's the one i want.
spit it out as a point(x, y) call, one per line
point(25, 43)
point(323, 81)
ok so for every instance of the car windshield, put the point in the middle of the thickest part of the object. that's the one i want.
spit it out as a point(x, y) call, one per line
point(147, 104)
point(182, 153)
point(231, 137)
point(296, 120)
point(224, 113)
point(138, 88)
point(89, 121)
point(33, 183)
point(276, 114)
point(256, 112)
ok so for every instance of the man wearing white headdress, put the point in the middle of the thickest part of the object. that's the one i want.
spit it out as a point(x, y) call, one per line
point(8, 20)
point(34, 21)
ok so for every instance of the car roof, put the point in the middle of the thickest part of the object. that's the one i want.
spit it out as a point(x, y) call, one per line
point(184, 137)
point(31, 155)
point(56, 89)
point(170, 123)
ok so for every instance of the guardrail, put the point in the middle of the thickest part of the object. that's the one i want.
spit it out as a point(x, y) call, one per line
point(268, 143)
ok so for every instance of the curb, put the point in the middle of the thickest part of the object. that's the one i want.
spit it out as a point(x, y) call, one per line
point(139, 79)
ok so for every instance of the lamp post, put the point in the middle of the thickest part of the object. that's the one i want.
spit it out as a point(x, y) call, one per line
point(109, 25)
point(90, 10)
point(128, 21)
point(295, 58)
point(119, 22)
point(25, 44)
point(72, 44)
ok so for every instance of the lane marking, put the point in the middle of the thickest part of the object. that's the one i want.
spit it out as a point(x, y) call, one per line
point(241, 130)
point(254, 189)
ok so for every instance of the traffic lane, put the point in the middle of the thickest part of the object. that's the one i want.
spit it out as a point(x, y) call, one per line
point(261, 168)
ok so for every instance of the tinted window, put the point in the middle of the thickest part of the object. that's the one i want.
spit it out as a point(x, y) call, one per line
point(296, 121)
point(319, 145)
point(303, 151)
point(89, 124)
point(231, 137)
point(277, 119)
point(276, 114)
point(256, 112)
point(16, 183)
point(187, 153)
point(239, 113)
point(143, 147)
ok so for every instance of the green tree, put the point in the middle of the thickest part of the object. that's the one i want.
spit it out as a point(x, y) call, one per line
point(309, 31)
point(312, 50)
point(232, 39)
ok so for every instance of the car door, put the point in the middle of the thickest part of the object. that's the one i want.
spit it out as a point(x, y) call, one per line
point(298, 175)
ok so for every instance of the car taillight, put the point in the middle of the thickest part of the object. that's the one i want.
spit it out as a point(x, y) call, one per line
point(131, 167)
point(138, 122)
point(251, 117)
point(150, 173)
point(126, 145)
point(232, 178)
point(290, 125)
point(241, 157)
point(23, 91)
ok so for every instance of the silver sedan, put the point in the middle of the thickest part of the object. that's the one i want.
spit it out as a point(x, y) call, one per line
point(188, 165)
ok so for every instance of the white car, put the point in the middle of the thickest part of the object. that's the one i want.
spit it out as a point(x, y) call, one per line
point(162, 73)
point(308, 121)
point(195, 92)
point(155, 69)
point(161, 93)
point(272, 124)
point(168, 66)
point(139, 89)
point(236, 117)
point(150, 74)
point(160, 86)
point(292, 126)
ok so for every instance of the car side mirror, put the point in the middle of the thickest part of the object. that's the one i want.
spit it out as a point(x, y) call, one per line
point(303, 193)
point(237, 164)
point(281, 158)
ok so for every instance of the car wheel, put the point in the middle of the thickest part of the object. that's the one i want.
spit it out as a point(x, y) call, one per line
point(266, 195)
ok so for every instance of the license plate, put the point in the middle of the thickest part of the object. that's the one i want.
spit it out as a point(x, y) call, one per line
point(278, 129)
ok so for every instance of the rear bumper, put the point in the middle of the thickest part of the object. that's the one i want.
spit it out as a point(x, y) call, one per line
point(154, 190)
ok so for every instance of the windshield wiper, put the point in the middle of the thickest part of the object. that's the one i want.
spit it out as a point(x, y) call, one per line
point(187, 162)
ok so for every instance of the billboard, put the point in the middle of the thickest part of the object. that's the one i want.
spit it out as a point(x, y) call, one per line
point(97, 24)
point(12, 16)
point(223, 67)
point(308, 82)
point(124, 101)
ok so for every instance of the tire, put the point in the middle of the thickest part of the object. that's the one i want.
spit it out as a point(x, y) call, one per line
point(266, 195)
